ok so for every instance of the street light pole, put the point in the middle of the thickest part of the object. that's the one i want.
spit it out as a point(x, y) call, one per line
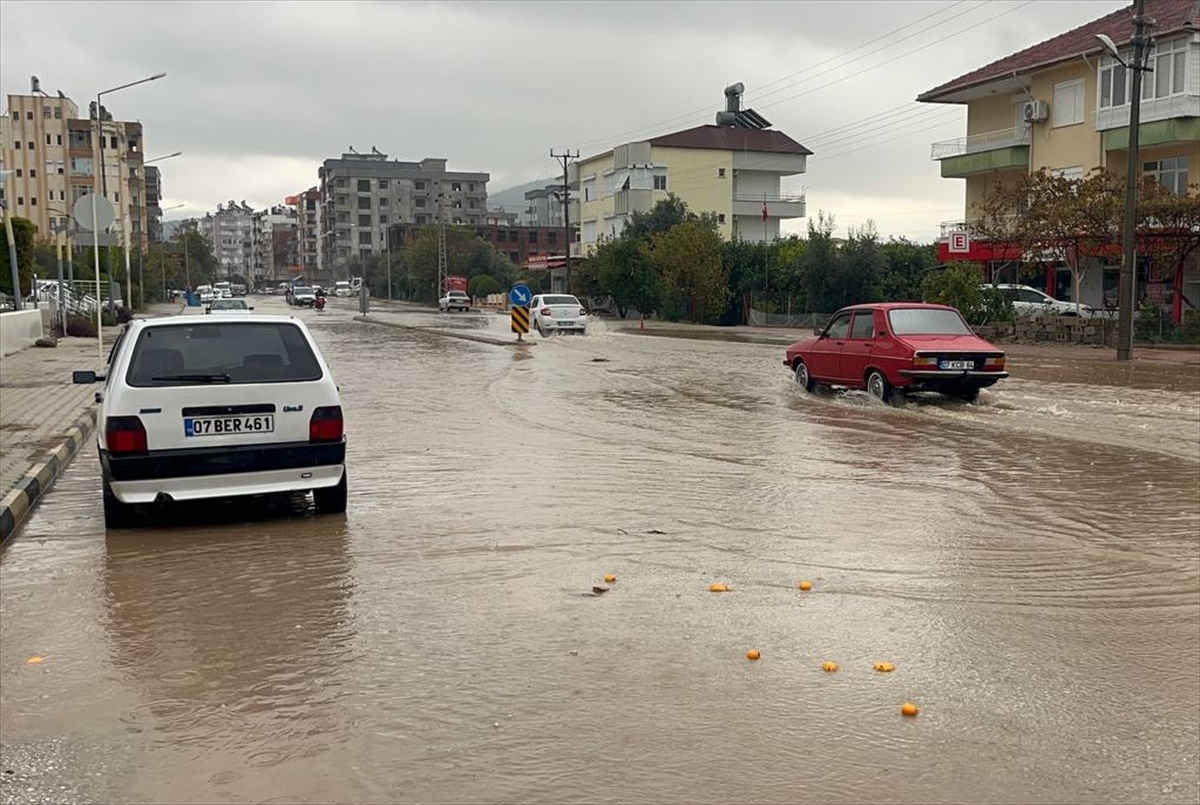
point(1128, 277)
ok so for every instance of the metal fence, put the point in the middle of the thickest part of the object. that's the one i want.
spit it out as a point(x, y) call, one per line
point(758, 318)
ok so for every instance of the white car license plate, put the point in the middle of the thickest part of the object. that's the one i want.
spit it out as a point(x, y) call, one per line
point(562, 323)
point(958, 364)
point(224, 425)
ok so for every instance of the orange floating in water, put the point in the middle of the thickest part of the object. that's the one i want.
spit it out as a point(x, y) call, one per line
point(35, 660)
point(805, 585)
point(829, 667)
point(610, 578)
point(885, 667)
point(753, 654)
point(909, 709)
point(718, 587)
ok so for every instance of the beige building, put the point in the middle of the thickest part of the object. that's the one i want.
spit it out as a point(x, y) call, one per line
point(732, 169)
point(51, 153)
point(1064, 105)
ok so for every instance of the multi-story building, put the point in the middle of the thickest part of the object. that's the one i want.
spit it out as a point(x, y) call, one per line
point(544, 206)
point(1064, 106)
point(363, 194)
point(274, 244)
point(231, 231)
point(154, 204)
point(51, 153)
point(732, 169)
point(307, 204)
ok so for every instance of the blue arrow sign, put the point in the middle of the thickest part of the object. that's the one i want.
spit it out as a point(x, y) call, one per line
point(520, 295)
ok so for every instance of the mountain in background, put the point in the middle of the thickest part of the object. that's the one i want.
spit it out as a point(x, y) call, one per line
point(513, 199)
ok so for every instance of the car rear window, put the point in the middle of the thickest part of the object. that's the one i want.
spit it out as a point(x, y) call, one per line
point(237, 352)
point(927, 321)
point(559, 300)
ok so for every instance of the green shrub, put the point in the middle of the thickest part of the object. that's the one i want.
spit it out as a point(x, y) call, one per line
point(81, 327)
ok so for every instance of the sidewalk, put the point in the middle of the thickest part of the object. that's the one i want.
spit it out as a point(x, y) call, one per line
point(45, 419)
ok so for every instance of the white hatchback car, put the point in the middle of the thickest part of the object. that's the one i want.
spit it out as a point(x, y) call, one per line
point(557, 313)
point(199, 407)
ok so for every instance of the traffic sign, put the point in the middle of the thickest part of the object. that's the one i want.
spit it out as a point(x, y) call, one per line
point(82, 211)
point(520, 320)
point(520, 295)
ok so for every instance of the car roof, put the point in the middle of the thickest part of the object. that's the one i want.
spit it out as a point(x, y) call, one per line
point(886, 306)
point(204, 321)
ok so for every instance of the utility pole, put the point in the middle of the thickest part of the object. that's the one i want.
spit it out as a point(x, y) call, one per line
point(441, 286)
point(566, 158)
point(1128, 276)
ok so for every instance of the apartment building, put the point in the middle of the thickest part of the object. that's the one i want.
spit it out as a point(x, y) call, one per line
point(51, 153)
point(231, 231)
point(307, 204)
point(732, 169)
point(154, 233)
point(363, 194)
point(544, 206)
point(275, 243)
point(1064, 105)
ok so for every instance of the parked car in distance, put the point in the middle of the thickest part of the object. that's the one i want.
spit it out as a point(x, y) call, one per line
point(205, 407)
point(224, 289)
point(897, 347)
point(228, 306)
point(557, 313)
point(342, 288)
point(455, 300)
point(1029, 301)
point(302, 296)
point(206, 293)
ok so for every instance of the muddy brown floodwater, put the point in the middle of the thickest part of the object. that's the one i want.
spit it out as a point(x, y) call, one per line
point(1030, 564)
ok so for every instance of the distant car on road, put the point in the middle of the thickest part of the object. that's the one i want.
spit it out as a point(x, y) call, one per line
point(342, 288)
point(889, 348)
point(455, 300)
point(228, 306)
point(1028, 301)
point(204, 407)
point(557, 313)
point(302, 296)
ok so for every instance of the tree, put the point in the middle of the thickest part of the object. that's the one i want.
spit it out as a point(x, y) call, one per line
point(957, 284)
point(25, 234)
point(482, 285)
point(201, 264)
point(689, 256)
point(626, 271)
point(1169, 225)
point(907, 264)
point(666, 214)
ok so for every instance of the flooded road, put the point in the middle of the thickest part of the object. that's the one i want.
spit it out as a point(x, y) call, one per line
point(1030, 564)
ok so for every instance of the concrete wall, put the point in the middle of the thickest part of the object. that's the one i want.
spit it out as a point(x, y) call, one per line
point(19, 329)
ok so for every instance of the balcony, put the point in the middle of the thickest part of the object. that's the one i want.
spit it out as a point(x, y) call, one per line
point(779, 205)
point(980, 153)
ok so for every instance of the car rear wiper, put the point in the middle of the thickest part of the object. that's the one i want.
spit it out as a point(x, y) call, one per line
point(191, 378)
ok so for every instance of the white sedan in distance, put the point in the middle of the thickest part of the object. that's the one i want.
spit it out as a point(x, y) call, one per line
point(557, 313)
point(455, 300)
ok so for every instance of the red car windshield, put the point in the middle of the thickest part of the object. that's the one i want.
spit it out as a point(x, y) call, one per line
point(927, 321)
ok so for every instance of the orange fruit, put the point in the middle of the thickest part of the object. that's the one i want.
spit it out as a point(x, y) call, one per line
point(909, 709)
point(718, 587)
point(885, 667)
point(753, 654)
point(829, 667)
point(805, 585)
point(610, 578)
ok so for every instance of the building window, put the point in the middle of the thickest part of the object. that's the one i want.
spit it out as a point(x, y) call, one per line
point(117, 198)
point(383, 184)
point(58, 113)
point(383, 219)
point(419, 185)
point(383, 202)
point(46, 112)
point(1169, 60)
point(1171, 173)
point(533, 236)
point(33, 173)
point(458, 205)
point(16, 115)
point(419, 202)
point(20, 199)
point(58, 139)
point(720, 218)
point(422, 220)
point(660, 182)
point(364, 220)
point(552, 238)
point(364, 202)
point(1114, 83)
point(29, 115)
point(48, 142)
point(473, 204)
point(514, 257)
point(471, 187)
point(720, 173)
point(17, 143)
point(18, 173)
point(514, 236)
point(364, 185)
point(339, 182)
point(112, 143)
point(33, 201)
point(456, 187)
point(1068, 103)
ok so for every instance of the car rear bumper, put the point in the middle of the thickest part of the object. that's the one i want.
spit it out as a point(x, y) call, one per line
point(215, 472)
point(952, 375)
point(551, 324)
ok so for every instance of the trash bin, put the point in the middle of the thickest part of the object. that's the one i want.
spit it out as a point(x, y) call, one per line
point(193, 300)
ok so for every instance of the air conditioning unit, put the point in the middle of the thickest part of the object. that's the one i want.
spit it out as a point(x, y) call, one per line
point(1036, 111)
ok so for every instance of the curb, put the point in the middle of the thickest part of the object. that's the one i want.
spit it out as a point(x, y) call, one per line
point(481, 339)
point(21, 499)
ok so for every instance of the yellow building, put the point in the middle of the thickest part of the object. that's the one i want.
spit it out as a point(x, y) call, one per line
point(1063, 105)
point(732, 169)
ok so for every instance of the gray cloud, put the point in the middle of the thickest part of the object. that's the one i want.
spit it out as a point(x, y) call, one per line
point(258, 93)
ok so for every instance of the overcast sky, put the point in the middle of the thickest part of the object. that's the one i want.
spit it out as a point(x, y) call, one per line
point(259, 93)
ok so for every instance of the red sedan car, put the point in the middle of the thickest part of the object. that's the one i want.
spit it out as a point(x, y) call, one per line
point(897, 347)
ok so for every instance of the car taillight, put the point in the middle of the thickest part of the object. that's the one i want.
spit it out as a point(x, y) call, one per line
point(546, 312)
point(124, 435)
point(325, 425)
point(994, 364)
point(925, 362)
point(582, 312)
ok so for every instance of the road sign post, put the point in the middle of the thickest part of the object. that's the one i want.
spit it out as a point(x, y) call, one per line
point(519, 297)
